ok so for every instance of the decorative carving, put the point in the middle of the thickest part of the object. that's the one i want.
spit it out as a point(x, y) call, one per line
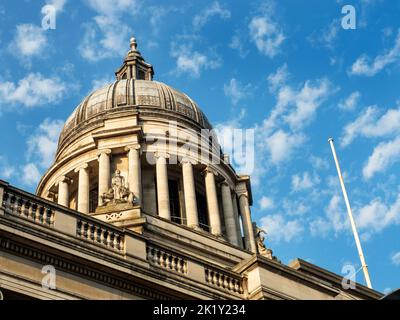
point(261, 248)
point(118, 193)
point(114, 216)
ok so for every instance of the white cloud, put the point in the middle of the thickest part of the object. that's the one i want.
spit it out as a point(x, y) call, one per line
point(58, 4)
point(30, 174)
point(335, 219)
point(215, 9)
point(297, 107)
point(237, 44)
point(295, 207)
point(319, 227)
point(383, 156)
point(238, 142)
point(236, 91)
point(42, 144)
point(376, 216)
point(193, 62)
point(107, 36)
point(6, 170)
point(113, 7)
point(281, 145)
point(396, 259)
point(278, 78)
point(371, 218)
point(29, 41)
point(303, 182)
point(370, 125)
point(104, 39)
point(266, 203)
point(31, 91)
point(279, 229)
point(363, 66)
point(319, 163)
point(267, 35)
point(350, 103)
point(327, 36)
point(307, 101)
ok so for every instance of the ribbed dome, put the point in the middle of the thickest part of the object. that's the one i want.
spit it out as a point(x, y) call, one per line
point(133, 93)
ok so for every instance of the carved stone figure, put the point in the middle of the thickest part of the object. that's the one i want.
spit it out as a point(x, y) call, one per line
point(118, 193)
point(261, 248)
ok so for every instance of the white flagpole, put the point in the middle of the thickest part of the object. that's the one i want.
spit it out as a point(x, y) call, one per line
point(352, 222)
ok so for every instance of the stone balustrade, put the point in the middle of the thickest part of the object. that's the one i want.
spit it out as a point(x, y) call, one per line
point(18, 204)
point(223, 280)
point(28, 208)
point(164, 259)
point(99, 234)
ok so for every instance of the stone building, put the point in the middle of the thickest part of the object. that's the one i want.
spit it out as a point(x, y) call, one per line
point(141, 203)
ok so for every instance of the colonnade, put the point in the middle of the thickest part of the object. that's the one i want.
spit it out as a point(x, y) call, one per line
point(229, 203)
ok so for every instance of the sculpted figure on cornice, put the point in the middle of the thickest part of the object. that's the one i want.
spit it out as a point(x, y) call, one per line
point(118, 193)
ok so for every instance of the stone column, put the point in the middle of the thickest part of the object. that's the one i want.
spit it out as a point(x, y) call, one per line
point(237, 220)
point(247, 225)
point(189, 191)
point(83, 188)
point(230, 223)
point(63, 192)
point(104, 172)
point(212, 202)
point(162, 185)
point(134, 171)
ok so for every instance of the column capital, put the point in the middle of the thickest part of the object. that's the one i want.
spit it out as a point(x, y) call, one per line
point(243, 194)
point(209, 170)
point(132, 146)
point(103, 151)
point(187, 160)
point(80, 167)
point(63, 179)
point(224, 183)
point(161, 154)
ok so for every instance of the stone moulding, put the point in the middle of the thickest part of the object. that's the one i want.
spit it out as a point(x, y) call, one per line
point(61, 263)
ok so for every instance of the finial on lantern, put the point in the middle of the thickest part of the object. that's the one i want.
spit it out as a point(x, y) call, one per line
point(133, 44)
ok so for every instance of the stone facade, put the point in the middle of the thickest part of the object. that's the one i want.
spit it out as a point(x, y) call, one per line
point(141, 204)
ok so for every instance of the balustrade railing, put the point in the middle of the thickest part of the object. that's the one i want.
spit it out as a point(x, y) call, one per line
point(223, 280)
point(164, 259)
point(99, 234)
point(25, 207)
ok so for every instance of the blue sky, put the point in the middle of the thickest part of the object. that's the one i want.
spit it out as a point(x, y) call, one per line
point(286, 69)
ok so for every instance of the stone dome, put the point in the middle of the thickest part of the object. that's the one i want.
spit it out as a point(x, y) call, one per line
point(132, 94)
point(134, 91)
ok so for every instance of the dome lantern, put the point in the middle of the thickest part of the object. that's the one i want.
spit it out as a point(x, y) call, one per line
point(135, 67)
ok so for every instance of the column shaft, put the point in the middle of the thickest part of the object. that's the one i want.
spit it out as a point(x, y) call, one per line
point(135, 174)
point(104, 173)
point(230, 223)
point(190, 195)
point(83, 189)
point(237, 220)
point(63, 192)
point(162, 187)
point(247, 224)
point(212, 203)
